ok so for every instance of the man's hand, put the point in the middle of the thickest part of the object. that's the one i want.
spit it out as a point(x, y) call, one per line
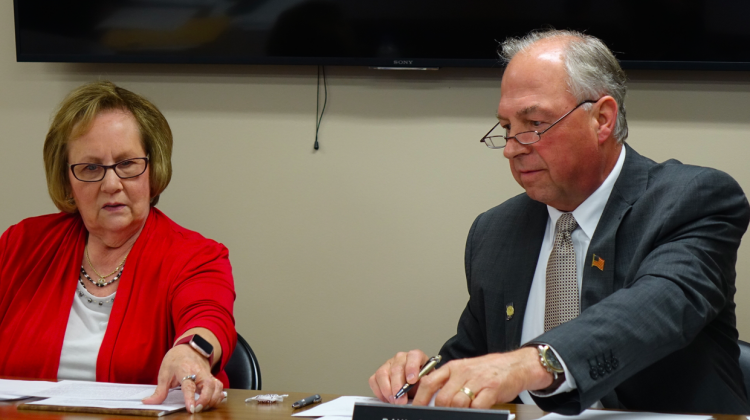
point(494, 379)
point(401, 369)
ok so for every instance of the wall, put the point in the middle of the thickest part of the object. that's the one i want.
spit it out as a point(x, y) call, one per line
point(346, 255)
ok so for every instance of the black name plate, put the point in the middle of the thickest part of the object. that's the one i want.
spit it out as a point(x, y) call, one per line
point(365, 411)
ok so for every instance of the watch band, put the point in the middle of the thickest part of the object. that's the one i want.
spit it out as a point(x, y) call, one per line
point(200, 345)
point(550, 363)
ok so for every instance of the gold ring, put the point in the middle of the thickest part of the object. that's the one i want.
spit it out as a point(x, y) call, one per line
point(188, 378)
point(468, 393)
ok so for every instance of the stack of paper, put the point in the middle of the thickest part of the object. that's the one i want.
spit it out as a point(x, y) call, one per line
point(95, 395)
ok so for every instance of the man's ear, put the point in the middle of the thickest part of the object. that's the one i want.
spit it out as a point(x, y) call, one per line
point(606, 118)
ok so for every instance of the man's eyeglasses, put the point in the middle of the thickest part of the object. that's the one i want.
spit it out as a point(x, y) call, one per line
point(94, 172)
point(527, 137)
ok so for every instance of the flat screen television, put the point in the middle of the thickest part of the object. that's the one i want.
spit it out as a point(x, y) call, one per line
point(653, 34)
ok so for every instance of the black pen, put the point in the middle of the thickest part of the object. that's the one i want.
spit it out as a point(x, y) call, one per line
point(431, 363)
point(307, 401)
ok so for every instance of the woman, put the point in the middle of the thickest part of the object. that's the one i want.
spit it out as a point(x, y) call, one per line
point(110, 289)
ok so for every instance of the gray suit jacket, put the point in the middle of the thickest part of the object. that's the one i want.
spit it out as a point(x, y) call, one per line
point(657, 325)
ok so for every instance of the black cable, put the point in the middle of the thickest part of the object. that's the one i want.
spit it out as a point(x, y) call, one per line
point(319, 115)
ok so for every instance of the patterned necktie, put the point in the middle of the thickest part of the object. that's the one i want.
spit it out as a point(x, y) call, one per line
point(561, 304)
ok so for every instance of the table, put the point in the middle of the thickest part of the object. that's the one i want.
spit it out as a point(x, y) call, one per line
point(237, 409)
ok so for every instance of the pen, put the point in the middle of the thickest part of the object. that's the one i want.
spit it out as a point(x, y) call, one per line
point(307, 401)
point(431, 363)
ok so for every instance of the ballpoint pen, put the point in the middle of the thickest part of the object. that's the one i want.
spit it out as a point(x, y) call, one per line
point(431, 363)
point(307, 401)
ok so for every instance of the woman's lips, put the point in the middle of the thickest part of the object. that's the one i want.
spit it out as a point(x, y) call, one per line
point(113, 206)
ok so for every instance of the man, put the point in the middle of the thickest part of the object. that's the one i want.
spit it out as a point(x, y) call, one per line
point(610, 282)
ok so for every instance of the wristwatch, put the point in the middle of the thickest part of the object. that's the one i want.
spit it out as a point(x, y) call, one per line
point(552, 364)
point(199, 344)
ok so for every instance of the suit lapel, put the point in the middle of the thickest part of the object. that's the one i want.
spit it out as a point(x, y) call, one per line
point(527, 244)
point(599, 271)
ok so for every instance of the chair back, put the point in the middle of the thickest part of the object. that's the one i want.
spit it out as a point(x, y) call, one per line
point(745, 362)
point(242, 368)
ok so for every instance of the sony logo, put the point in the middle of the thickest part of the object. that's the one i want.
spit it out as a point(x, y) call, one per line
point(402, 61)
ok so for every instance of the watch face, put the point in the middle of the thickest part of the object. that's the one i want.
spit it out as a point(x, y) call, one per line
point(203, 344)
point(552, 361)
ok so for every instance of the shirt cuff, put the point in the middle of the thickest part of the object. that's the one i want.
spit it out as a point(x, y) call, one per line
point(567, 386)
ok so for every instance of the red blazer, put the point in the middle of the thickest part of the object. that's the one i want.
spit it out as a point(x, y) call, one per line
point(174, 280)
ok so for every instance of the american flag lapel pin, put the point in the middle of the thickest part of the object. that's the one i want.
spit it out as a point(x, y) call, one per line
point(598, 262)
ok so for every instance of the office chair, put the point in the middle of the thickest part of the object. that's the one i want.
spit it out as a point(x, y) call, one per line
point(745, 362)
point(242, 368)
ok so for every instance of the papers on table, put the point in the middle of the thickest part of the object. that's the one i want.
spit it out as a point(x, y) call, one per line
point(90, 394)
point(21, 389)
point(624, 415)
point(174, 402)
point(96, 391)
point(8, 397)
point(342, 406)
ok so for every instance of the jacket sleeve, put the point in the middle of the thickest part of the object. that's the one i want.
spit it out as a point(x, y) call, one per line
point(681, 277)
point(470, 340)
point(204, 296)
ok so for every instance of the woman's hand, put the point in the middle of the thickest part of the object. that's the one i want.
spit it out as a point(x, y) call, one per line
point(178, 365)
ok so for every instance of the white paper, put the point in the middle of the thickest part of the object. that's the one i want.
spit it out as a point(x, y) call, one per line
point(133, 405)
point(8, 397)
point(622, 415)
point(175, 401)
point(96, 391)
point(23, 388)
point(342, 406)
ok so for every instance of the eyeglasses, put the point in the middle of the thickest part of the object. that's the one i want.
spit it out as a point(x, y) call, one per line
point(527, 137)
point(94, 172)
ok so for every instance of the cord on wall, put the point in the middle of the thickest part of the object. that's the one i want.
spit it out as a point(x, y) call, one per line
point(318, 111)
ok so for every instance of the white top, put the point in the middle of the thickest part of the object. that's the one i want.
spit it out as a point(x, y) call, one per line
point(587, 215)
point(86, 327)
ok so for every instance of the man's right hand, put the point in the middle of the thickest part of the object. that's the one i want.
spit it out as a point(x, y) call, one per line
point(400, 369)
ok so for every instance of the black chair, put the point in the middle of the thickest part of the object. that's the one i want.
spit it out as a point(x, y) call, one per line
point(745, 363)
point(242, 368)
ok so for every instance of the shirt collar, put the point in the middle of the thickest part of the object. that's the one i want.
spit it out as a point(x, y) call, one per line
point(590, 211)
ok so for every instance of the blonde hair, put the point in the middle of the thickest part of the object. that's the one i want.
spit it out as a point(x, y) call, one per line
point(74, 118)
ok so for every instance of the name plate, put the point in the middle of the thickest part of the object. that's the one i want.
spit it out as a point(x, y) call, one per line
point(365, 411)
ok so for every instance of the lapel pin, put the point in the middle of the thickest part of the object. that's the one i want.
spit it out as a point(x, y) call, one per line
point(598, 262)
point(509, 311)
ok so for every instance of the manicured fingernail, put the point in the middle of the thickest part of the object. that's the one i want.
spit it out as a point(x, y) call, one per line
point(199, 408)
point(192, 408)
point(410, 377)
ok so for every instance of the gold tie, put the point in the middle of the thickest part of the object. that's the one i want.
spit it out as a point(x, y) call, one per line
point(561, 304)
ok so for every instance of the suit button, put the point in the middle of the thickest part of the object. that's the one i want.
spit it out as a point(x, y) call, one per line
point(593, 374)
point(615, 362)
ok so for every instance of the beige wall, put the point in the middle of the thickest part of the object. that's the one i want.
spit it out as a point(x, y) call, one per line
point(343, 256)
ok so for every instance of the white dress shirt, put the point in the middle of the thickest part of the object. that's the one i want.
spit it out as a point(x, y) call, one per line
point(587, 215)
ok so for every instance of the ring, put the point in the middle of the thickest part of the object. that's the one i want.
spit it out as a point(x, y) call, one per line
point(468, 393)
point(189, 377)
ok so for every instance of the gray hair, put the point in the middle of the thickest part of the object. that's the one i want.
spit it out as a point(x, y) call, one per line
point(593, 71)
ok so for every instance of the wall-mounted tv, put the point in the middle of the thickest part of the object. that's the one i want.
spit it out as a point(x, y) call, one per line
point(653, 34)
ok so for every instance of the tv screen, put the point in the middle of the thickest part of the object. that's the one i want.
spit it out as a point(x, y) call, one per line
point(654, 34)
